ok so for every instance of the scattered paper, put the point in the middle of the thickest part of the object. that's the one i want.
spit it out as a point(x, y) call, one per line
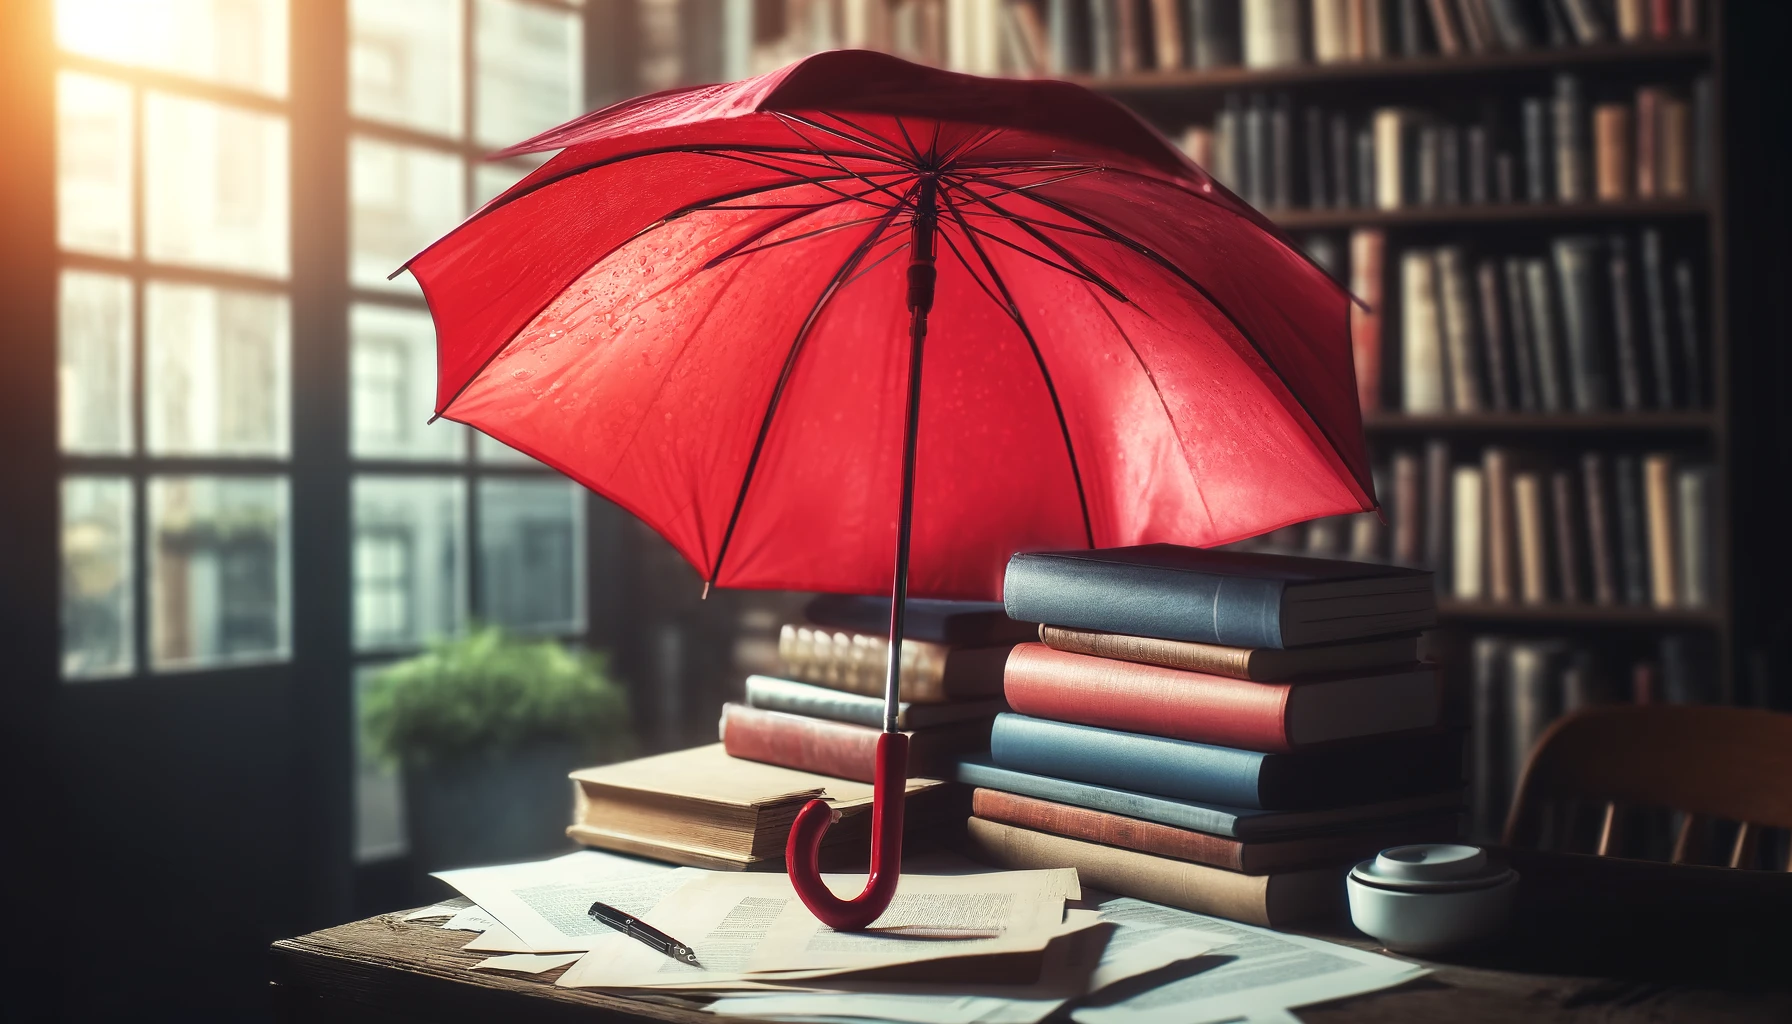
point(753, 927)
point(1260, 975)
point(470, 919)
point(440, 910)
point(527, 963)
point(545, 904)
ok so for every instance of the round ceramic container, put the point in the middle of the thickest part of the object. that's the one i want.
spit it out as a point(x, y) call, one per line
point(1431, 898)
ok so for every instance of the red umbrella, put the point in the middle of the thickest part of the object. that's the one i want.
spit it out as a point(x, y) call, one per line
point(695, 309)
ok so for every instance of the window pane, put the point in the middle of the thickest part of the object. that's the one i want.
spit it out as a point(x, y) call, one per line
point(232, 42)
point(529, 70)
point(392, 381)
point(216, 375)
point(93, 164)
point(405, 63)
point(93, 355)
point(379, 790)
point(402, 199)
point(215, 186)
point(532, 553)
point(219, 564)
point(97, 607)
point(409, 559)
point(495, 452)
point(491, 179)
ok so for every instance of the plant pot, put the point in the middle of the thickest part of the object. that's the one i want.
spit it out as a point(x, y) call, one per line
point(489, 810)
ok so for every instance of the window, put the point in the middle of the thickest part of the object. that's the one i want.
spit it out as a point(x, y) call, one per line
point(435, 86)
point(173, 220)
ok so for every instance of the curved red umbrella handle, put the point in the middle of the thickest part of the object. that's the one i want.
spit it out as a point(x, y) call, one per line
point(802, 854)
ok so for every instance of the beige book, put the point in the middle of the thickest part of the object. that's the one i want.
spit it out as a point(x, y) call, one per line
point(1197, 143)
point(1388, 129)
point(1167, 33)
point(703, 808)
point(1675, 141)
point(1658, 507)
point(1611, 152)
point(930, 673)
point(1467, 572)
point(1633, 19)
point(1331, 43)
point(1421, 342)
point(1527, 506)
point(1456, 321)
point(1270, 900)
point(1261, 664)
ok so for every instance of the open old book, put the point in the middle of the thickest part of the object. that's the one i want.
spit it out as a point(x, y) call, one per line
point(702, 808)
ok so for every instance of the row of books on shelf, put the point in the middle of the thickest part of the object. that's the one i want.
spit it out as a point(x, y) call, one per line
point(1544, 150)
point(1537, 528)
point(1518, 686)
point(1104, 37)
point(1597, 323)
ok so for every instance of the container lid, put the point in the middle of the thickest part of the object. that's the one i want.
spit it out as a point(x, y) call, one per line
point(1431, 866)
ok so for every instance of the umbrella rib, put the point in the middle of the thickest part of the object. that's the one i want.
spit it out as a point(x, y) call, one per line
point(1045, 373)
point(912, 148)
point(950, 244)
point(870, 141)
point(737, 252)
point(869, 267)
point(1150, 377)
point(969, 146)
point(1183, 276)
point(1073, 272)
point(784, 373)
point(817, 180)
point(1083, 269)
point(780, 222)
point(785, 121)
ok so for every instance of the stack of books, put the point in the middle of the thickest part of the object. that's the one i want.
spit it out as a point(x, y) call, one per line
point(825, 713)
point(1216, 730)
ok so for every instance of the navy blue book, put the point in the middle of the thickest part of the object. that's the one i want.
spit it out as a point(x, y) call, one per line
point(1233, 598)
point(1244, 823)
point(1385, 768)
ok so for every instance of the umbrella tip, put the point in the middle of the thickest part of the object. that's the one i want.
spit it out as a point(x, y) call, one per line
point(432, 419)
point(705, 596)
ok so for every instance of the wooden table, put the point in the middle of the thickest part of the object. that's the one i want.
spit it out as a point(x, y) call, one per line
point(1595, 940)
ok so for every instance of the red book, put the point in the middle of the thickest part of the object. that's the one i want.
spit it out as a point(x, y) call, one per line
point(1238, 713)
point(1328, 846)
point(840, 749)
point(1661, 19)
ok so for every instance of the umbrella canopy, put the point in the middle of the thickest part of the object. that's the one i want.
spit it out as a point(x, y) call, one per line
point(696, 309)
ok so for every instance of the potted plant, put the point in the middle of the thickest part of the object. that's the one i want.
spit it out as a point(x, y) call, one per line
point(484, 728)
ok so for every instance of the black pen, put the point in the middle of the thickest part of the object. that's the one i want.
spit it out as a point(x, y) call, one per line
point(640, 930)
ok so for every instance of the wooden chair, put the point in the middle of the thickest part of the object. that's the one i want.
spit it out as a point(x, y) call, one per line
point(1711, 763)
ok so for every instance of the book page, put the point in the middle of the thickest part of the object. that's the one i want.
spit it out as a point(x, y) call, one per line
point(746, 927)
point(543, 905)
point(1258, 972)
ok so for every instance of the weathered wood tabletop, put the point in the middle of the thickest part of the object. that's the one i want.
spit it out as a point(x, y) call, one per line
point(1616, 946)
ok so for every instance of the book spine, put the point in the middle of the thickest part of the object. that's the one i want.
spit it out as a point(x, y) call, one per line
point(1215, 28)
point(1474, 35)
point(1103, 45)
point(1532, 703)
point(1501, 531)
point(1632, 19)
point(1648, 142)
point(1343, 189)
point(806, 744)
point(1148, 764)
point(1157, 602)
point(1690, 359)
point(1421, 349)
point(1694, 519)
point(1195, 887)
point(1655, 307)
point(1330, 40)
point(1493, 335)
point(1467, 579)
point(817, 702)
point(1487, 798)
point(1537, 184)
point(1527, 502)
point(1567, 546)
point(1449, 165)
point(1632, 543)
point(1368, 247)
point(1108, 829)
point(1365, 176)
point(1570, 140)
point(1459, 330)
point(1256, 152)
point(1443, 27)
point(1624, 331)
point(1425, 178)
point(856, 662)
point(1704, 137)
point(1281, 155)
point(1612, 162)
point(1477, 161)
point(1412, 28)
point(1127, 51)
point(1584, 19)
point(1675, 137)
point(1234, 662)
point(1539, 297)
point(1272, 36)
point(1389, 126)
point(1518, 316)
point(1175, 813)
point(1166, 33)
point(1514, 31)
point(1574, 269)
point(1062, 35)
point(1408, 526)
point(1599, 529)
point(1313, 167)
point(1437, 510)
point(1555, 23)
point(1149, 699)
point(1687, 22)
point(1658, 493)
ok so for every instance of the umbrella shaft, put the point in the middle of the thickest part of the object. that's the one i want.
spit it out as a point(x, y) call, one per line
point(920, 301)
